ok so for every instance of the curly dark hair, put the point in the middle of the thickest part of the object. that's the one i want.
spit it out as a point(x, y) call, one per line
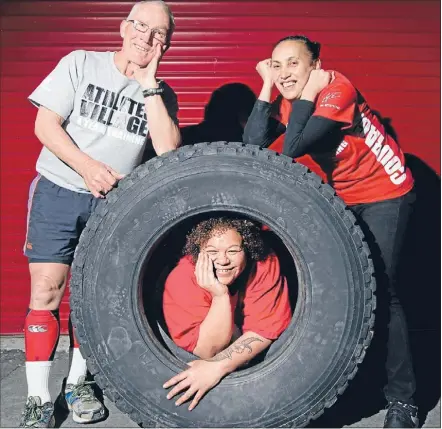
point(250, 232)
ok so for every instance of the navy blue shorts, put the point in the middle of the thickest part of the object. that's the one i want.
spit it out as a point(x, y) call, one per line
point(56, 219)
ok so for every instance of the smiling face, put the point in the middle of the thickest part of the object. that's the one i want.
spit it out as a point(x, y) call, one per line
point(225, 250)
point(291, 67)
point(139, 47)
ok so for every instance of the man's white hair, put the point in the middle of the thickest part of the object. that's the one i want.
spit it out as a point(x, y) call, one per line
point(165, 7)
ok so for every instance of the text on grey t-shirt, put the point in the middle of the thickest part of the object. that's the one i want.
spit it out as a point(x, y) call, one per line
point(103, 111)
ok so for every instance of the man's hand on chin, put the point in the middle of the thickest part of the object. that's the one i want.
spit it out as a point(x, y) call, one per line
point(146, 76)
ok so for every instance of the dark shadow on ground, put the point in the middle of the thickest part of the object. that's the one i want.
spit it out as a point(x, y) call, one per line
point(419, 277)
point(61, 411)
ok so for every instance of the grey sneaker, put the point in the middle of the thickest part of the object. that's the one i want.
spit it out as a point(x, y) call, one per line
point(81, 400)
point(36, 415)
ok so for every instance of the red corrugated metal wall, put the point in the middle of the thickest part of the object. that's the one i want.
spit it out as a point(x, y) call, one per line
point(389, 49)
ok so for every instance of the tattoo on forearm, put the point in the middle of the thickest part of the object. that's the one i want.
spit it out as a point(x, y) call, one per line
point(235, 348)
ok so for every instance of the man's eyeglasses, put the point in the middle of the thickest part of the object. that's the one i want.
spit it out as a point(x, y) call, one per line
point(157, 33)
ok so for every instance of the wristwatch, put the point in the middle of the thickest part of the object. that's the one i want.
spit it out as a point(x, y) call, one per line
point(152, 91)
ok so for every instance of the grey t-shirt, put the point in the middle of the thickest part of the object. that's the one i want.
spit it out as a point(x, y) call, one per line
point(103, 111)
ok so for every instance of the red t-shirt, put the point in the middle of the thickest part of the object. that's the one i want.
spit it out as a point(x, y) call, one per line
point(368, 165)
point(265, 307)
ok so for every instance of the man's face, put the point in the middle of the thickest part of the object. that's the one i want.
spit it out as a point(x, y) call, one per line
point(139, 47)
point(229, 259)
point(291, 67)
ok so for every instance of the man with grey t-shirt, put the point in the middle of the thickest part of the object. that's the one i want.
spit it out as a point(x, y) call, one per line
point(97, 113)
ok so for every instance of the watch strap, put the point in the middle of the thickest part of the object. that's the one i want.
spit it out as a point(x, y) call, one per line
point(152, 91)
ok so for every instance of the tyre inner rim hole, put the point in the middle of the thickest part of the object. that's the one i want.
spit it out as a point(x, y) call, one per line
point(163, 257)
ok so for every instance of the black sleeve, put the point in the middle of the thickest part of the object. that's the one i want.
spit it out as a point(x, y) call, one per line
point(261, 129)
point(306, 133)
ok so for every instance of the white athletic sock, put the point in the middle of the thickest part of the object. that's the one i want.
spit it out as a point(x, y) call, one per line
point(37, 376)
point(78, 367)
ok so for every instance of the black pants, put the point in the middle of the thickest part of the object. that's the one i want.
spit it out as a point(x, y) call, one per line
point(384, 224)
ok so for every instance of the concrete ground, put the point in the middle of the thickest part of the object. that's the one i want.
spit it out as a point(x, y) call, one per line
point(360, 405)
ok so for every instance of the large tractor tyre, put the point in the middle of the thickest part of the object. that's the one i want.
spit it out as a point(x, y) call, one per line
point(312, 361)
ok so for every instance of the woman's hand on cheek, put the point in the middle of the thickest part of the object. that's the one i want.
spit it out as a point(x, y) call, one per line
point(264, 68)
point(205, 277)
point(317, 81)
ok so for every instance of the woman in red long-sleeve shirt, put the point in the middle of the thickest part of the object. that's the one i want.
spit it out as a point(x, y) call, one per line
point(324, 122)
point(226, 301)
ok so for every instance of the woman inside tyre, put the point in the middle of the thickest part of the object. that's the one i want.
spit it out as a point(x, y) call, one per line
point(322, 121)
point(226, 301)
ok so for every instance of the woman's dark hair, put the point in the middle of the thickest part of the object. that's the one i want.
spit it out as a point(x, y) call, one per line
point(313, 47)
point(250, 232)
